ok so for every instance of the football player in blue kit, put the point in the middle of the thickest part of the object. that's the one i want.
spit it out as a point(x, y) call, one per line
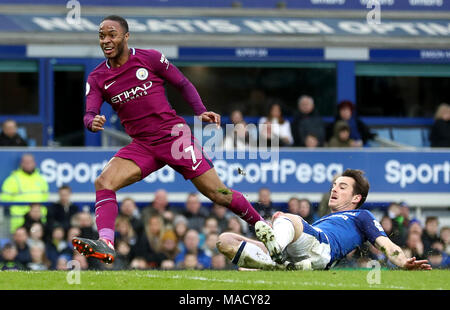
point(292, 243)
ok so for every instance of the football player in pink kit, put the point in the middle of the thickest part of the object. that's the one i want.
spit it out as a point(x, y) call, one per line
point(132, 81)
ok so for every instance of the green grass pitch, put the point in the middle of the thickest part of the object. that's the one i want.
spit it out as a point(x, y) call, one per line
point(224, 280)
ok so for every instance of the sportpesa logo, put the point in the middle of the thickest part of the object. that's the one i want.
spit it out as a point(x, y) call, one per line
point(132, 93)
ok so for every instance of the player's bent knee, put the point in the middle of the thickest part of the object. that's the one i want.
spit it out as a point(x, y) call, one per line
point(227, 245)
point(101, 182)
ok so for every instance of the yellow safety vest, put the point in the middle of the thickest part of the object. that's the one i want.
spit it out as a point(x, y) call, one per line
point(24, 187)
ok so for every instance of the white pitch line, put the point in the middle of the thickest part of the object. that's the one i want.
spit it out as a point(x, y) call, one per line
point(314, 283)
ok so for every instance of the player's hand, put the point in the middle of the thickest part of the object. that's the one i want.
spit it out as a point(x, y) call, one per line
point(98, 122)
point(210, 117)
point(413, 264)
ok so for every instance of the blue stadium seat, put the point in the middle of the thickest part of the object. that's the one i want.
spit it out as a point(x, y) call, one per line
point(22, 131)
point(384, 133)
point(4, 241)
point(426, 136)
point(408, 136)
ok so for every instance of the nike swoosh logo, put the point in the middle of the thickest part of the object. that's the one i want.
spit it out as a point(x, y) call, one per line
point(107, 86)
point(196, 166)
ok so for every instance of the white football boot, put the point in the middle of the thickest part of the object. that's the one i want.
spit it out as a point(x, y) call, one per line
point(265, 234)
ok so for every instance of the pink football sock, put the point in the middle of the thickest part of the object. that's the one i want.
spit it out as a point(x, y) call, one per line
point(106, 211)
point(240, 205)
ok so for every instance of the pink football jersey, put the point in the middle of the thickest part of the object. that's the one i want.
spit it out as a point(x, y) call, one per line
point(136, 93)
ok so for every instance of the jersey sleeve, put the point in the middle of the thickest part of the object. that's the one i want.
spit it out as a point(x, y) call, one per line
point(94, 101)
point(370, 226)
point(162, 67)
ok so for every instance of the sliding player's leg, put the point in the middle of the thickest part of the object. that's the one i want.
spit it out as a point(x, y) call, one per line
point(286, 229)
point(245, 252)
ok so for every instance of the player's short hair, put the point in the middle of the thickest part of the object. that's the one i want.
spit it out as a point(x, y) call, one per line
point(122, 21)
point(361, 186)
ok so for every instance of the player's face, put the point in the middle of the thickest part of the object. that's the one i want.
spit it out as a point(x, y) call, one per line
point(112, 38)
point(341, 196)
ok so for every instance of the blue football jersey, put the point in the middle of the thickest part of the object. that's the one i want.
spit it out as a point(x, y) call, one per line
point(347, 230)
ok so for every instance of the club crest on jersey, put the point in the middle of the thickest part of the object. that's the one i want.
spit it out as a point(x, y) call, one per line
point(142, 74)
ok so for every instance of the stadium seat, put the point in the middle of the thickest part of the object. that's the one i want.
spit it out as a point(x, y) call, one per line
point(383, 132)
point(408, 136)
point(22, 131)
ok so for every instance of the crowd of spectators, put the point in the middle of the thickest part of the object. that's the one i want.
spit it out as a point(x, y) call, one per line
point(303, 127)
point(164, 236)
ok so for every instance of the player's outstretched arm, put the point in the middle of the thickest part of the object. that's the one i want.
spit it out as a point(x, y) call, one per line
point(396, 256)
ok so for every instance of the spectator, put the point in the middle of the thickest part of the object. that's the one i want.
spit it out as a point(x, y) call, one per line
point(430, 233)
point(195, 212)
point(20, 239)
point(82, 260)
point(218, 262)
point(34, 216)
point(399, 231)
point(9, 135)
point(124, 231)
point(61, 212)
point(191, 246)
point(393, 234)
point(36, 234)
point(159, 205)
point(236, 117)
point(359, 132)
point(8, 258)
point(129, 209)
point(84, 221)
point(25, 184)
point(293, 205)
point(167, 264)
point(235, 225)
point(138, 263)
point(61, 263)
point(168, 218)
point(341, 136)
point(190, 262)
point(122, 258)
point(438, 259)
point(241, 138)
point(57, 246)
point(306, 212)
point(311, 141)
point(277, 126)
point(415, 227)
point(414, 243)
point(148, 245)
point(404, 213)
point(440, 130)
point(445, 239)
point(307, 124)
point(72, 233)
point(264, 206)
point(39, 261)
point(169, 245)
point(209, 246)
point(181, 227)
point(220, 214)
point(323, 208)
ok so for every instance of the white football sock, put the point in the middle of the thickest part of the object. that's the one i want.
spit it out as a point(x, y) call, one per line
point(283, 230)
point(252, 256)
